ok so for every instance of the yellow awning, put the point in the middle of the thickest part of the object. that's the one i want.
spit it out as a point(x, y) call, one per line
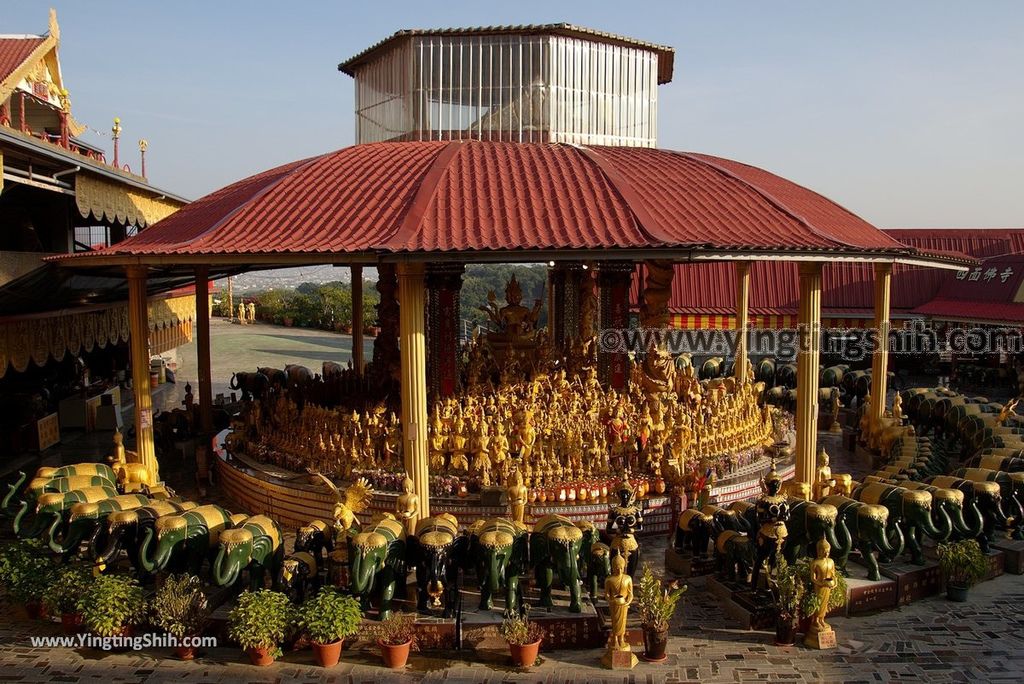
point(109, 201)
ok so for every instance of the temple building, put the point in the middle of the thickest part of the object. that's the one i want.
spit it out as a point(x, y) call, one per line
point(61, 195)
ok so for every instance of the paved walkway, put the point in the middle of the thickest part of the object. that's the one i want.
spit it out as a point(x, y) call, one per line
point(932, 640)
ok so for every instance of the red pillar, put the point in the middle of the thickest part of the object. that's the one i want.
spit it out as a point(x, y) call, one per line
point(614, 279)
point(444, 285)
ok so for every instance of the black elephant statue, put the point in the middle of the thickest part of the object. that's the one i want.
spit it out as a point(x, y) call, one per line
point(299, 576)
point(599, 566)
point(315, 538)
point(984, 497)
point(499, 548)
point(438, 552)
point(694, 530)
point(735, 553)
point(252, 385)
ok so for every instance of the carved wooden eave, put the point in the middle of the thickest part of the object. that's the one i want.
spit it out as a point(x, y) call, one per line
point(106, 200)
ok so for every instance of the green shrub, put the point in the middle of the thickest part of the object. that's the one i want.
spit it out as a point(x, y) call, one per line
point(180, 606)
point(26, 569)
point(261, 619)
point(962, 562)
point(519, 630)
point(399, 628)
point(329, 616)
point(69, 584)
point(111, 603)
point(654, 603)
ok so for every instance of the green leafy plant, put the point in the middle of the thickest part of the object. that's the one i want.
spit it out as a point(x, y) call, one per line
point(261, 619)
point(180, 606)
point(656, 603)
point(68, 585)
point(111, 603)
point(810, 603)
point(962, 562)
point(789, 591)
point(26, 570)
point(399, 628)
point(519, 630)
point(330, 616)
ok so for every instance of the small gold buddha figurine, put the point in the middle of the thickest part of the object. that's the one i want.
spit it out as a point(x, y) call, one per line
point(618, 591)
point(517, 495)
point(835, 405)
point(407, 507)
point(823, 577)
point(823, 482)
point(897, 409)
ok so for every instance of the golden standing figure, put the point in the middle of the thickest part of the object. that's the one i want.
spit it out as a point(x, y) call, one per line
point(517, 495)
point(618, 591)
point(824, 482)
point(823, 576)
point(835, 428)
point(407, 507)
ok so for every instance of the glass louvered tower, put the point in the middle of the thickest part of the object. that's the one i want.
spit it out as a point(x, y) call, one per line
point(549, 83)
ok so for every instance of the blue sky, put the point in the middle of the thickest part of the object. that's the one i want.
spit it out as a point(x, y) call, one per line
point(909, 113)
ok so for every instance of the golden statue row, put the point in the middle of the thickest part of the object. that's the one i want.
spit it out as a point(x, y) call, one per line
point(553, 429)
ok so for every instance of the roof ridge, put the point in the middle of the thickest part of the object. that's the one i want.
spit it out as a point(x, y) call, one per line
point(771, 199)
point(243, 205)
point(647, 224)
point(430, 181)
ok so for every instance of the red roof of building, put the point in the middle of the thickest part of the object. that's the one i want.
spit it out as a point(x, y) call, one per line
point(14, 52)
point(848, 288)
point(472, 196)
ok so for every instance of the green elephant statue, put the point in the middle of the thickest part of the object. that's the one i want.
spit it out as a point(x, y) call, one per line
point(123, 530)
point(911, 511)
point(43, 485)
point(376, 564)
point(255, 546)
point(599, 567)
point(959, 509)
point(810, 522)
point(498, 547)
point(85, 519)
point(54, 506)
point(868, 525)
point(556, 546)
point(183, 541)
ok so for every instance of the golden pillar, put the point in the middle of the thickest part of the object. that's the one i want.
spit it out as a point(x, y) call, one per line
point(357, 318)
point(879, 360)
point(742, 319)
point(203, 350)
point(412, 342)
point(808, 354)
point(138, 326)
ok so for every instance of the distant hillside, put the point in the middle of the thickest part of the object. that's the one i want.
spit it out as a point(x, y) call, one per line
point(291, 278)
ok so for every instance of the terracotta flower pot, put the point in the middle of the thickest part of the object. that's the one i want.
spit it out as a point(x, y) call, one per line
point(655, 642)
point(260, 656)
point(187, 653)
point(328, 655)
point(524, 655)
point(395, 657)
point(71, 622)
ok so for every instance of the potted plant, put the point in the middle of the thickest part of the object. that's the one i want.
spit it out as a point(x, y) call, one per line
point(523, 637)
point(61, 596)
point(963, 565)
point(789, 594)
point(112, 605)
point(259, 623)
point(327, 619)
point(396, 637)
point(656, 605)
point(26, 571)
point(179, 607)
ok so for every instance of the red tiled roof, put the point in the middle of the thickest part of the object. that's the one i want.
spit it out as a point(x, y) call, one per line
point(474, 196)
point(848, 288)
point(14, 51)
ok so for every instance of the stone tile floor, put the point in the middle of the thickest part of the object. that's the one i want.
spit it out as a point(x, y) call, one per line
point(932, 640)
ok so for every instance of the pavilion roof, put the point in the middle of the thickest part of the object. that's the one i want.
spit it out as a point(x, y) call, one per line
point(469, 200)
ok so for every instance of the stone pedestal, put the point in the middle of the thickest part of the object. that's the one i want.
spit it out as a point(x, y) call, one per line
point(688, 565)
point(619, 660)
point(822, 640)
point(1013, 554)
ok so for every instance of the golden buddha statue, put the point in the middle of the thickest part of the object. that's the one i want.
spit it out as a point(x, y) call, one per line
point(823, 577)
point(407, 507)
point(823, 481)
point(438, 442)
point(517, 496)
point(618, 592)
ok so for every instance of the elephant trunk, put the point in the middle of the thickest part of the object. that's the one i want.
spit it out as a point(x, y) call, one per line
point(12, 490)
point(109, 550)
point(224, 576)
point(974, 521)
point(77, 529)
point(894, 548)
point(360, 574)
point(494, 577)
point(39, 523)
point(945, 526)
point(844, 538)
point(833, 542)
point(156, 561)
